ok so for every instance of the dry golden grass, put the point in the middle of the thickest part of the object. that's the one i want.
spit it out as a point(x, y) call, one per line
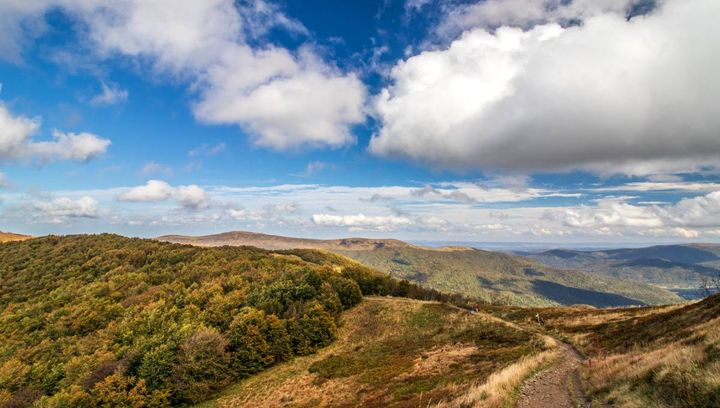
point(649, 357)
point(397, 353)
point(499, 389)
point(9, 237)
point(612, 373)
point(591, 317)
point(436, 361)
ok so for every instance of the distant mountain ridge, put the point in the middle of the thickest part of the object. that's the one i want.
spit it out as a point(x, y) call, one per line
point(276, 242)
point(680, 266)
point(493, 276)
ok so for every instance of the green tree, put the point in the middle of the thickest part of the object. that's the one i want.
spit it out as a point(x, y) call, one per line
point(313, 330)
point(257, 340)
point(203, 365)
point(348, 291)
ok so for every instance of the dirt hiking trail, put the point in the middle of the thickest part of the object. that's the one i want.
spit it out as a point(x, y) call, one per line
point(552, 387)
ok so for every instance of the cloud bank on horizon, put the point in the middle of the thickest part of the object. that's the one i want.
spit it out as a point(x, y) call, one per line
point(503, 118)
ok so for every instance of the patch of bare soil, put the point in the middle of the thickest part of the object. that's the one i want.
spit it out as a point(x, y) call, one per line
point(558, 386)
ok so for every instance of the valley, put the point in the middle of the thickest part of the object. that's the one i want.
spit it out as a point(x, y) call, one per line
point(679, 268)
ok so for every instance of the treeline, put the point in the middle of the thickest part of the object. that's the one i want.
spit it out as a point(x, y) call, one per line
point(103, 320)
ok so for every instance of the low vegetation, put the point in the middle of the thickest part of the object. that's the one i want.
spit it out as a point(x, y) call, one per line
point(641, 357)
point(394, 352)
point(109, 321)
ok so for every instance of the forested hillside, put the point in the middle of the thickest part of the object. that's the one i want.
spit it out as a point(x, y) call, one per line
point(109, 321)
point(506, 279)
point(492, 276)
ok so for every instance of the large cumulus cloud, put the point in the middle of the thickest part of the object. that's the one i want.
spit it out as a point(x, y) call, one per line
point(609, 95)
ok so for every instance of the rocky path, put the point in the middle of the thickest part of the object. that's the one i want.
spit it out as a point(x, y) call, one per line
point(552, 387)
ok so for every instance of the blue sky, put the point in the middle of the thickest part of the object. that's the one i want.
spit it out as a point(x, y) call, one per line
point(496, 120)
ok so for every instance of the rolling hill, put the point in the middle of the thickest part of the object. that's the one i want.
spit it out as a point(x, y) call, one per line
point(103, 320)
point(677, 267)
point(491, 276)
point(276, 242)
point(10, 237)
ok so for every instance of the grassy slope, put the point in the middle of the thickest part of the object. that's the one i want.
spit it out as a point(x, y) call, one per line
point(642, 357)
point(9, 237)
point(503, 278)
point(402, 353)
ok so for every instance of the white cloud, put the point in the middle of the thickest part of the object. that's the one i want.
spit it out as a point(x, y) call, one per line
point(153, 190)
point(361, 221)
point(268, 213)
point(111, 94)
point(61, 208)
point(16, 141)
point(686, 218)
point(207, 150)
point(15, 132)
point(303, 210)
point(3, 180)
point(610, 95)
point(69, 146)
point(478, 193)
point(314, 167)
point(294, 103)
point(283, 99)
point(415, 5)
point(190, 197)
point(526, 13)
point(155, 168)
point(644, 186)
